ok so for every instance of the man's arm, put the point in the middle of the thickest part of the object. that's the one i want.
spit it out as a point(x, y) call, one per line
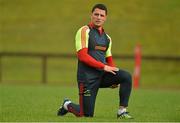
point(82, 37)
point(87, 59)
point(109, 58)
point(84, 57)
point(82, 51)
point(110, 61)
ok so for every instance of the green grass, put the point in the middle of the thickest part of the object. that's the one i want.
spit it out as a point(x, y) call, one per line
point(40, 103)
point(50, 26)
point(154, 74)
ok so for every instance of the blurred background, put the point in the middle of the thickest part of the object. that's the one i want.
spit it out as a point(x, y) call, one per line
point(49, 27)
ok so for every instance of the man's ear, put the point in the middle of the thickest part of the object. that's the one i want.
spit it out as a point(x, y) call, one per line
point(105, 18)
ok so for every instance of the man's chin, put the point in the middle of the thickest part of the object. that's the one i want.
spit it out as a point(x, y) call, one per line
point(98, 25)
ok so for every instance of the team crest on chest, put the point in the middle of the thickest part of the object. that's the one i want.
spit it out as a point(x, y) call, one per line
point(100, 48)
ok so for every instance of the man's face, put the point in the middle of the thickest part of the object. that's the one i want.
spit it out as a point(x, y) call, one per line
point(98, 17)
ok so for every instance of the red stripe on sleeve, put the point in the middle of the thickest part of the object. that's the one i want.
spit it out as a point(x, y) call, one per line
point(110, 61)
point(84, 57)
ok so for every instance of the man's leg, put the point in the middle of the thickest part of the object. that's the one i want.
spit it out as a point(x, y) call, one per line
point(77, 109)
point(89, 100)
point(87, 97)
point(68, 106)
point(124, 79)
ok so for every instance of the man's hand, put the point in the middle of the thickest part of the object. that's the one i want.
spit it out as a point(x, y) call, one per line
point(110, 69)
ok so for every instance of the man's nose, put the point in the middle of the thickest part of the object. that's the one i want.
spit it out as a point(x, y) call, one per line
point(99, 16)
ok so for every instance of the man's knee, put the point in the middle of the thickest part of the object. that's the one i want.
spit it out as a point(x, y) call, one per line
point(128, 77)
point(125, 76)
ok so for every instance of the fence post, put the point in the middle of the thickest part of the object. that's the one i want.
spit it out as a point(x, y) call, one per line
point(137, 67)
point(44, 69)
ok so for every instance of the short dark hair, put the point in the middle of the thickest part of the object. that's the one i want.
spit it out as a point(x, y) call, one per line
point(99, 6)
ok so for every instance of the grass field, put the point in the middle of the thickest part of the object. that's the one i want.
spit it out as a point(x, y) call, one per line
point(40, 103)
point(49, 26)
point(154, 74)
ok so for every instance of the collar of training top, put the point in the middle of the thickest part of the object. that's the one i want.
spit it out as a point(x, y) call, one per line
point(100, 30)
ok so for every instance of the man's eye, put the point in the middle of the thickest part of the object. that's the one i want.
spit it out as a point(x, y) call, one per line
point(96, 14)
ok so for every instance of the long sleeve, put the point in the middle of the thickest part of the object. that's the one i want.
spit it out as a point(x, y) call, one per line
point(110, 61)
point(84, 57)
